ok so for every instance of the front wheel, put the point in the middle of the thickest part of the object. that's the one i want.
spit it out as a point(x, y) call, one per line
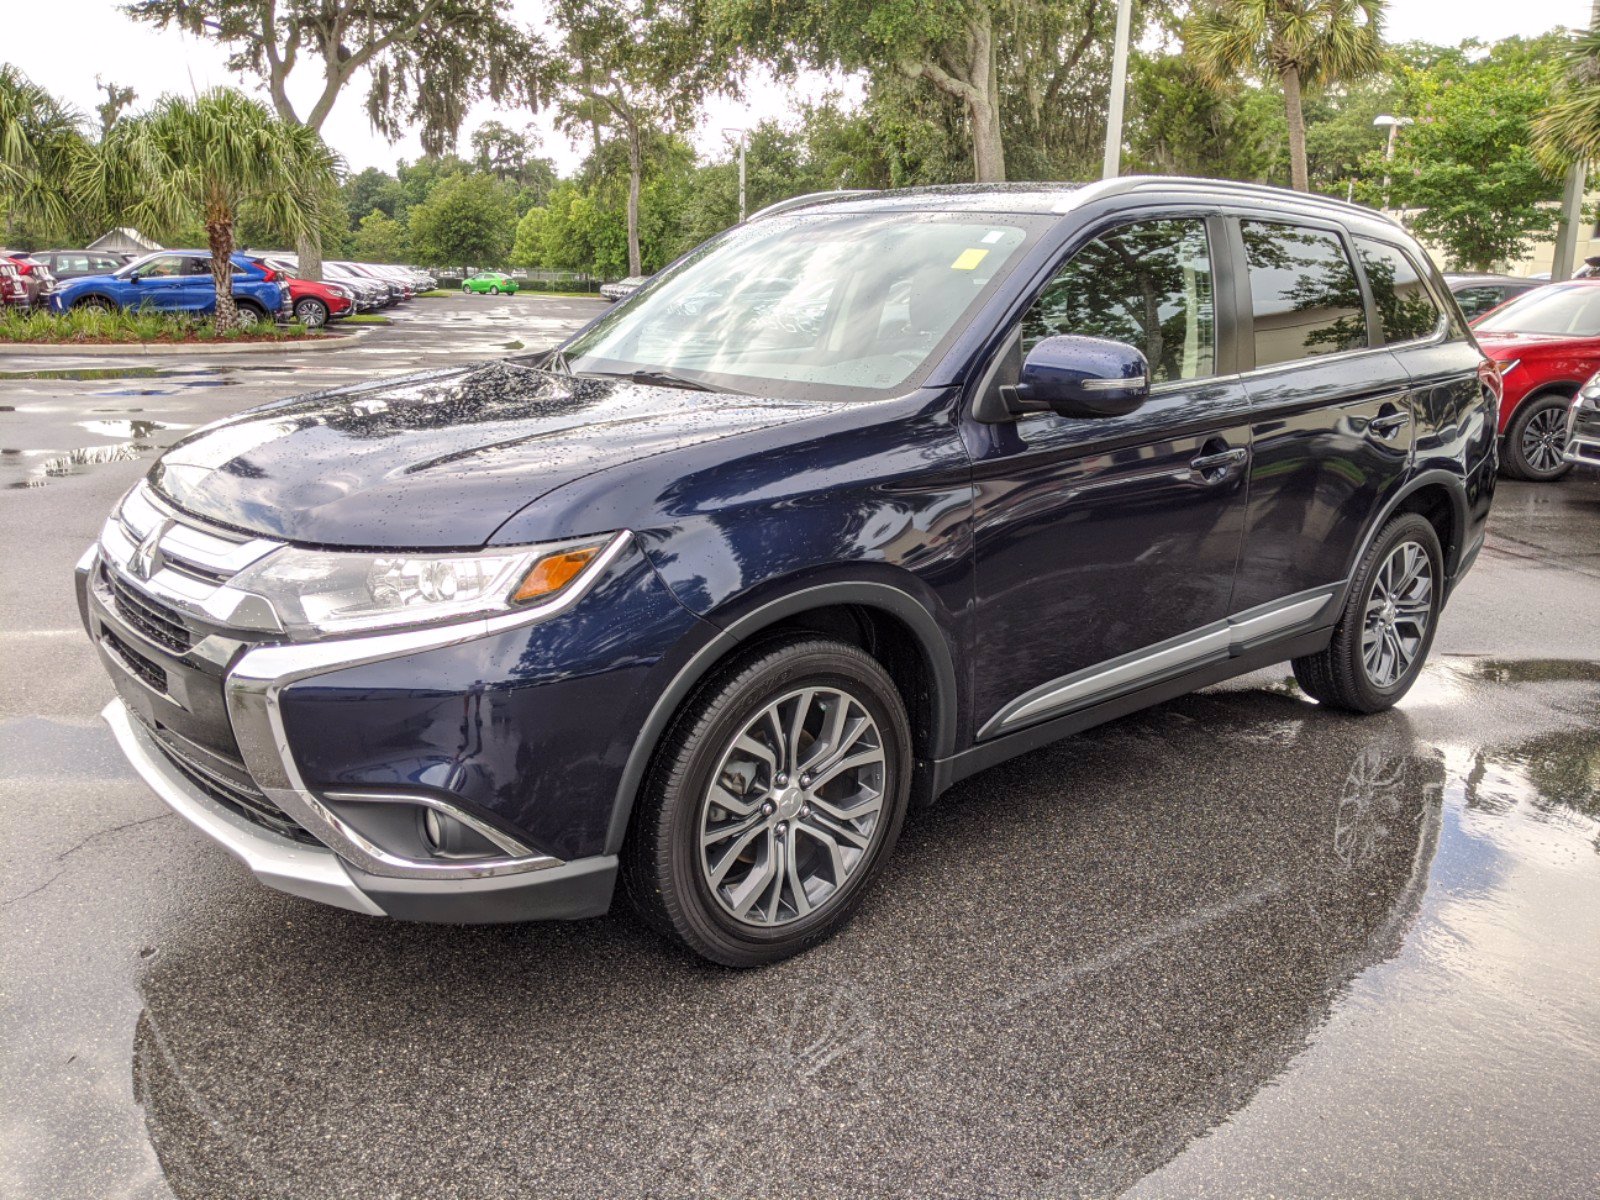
point(1536, 439)
point(93, 304)
point(311, 313)
point(466, 289)
point(775, 799)
point(1384, 634)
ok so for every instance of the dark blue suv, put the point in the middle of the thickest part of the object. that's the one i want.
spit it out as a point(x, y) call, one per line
point(851, 502)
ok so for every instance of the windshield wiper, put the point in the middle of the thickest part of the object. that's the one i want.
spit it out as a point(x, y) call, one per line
point(662, 379)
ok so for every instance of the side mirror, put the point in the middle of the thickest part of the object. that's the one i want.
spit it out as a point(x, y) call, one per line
point(1082, 377)
point(134, 278)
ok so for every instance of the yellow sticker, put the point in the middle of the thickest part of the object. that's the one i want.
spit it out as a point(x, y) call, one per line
point(967, 260)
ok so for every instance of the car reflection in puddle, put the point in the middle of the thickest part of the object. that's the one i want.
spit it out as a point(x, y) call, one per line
point(41, 466)
point(1079, 961)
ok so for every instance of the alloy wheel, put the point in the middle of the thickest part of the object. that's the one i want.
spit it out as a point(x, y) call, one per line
point(1544, 438)
point(1398, 610)
point(794, 808)
point(311, 314)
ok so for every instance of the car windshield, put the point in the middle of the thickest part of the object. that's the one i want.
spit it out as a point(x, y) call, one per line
point(1569, 311)
point(814, 306)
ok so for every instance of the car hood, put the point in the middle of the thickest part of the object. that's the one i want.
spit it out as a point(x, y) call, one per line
point(436, 460)
point(1507, 344)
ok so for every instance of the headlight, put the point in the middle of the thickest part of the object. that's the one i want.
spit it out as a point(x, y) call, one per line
point(1589, 394)
point(324, 591)
point(338, 290)
point(1507, 366)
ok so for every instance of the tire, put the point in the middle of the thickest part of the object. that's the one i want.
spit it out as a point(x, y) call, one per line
point(94, 304)
point(691, 895)
point(1537, 432)
point(1359, 677)
point(251, 316)
point(494, 289)
point(466, 289)
point(311, 312)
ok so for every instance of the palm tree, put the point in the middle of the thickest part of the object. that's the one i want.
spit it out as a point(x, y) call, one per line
point(1569, 130)
point(41, 144)
point(1300, 43)
point(211, 160)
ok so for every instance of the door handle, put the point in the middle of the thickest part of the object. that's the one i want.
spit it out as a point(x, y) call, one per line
point(1214, 466)
point(1389, 424)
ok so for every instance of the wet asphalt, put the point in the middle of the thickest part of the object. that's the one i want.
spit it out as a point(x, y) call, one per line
point(1234, 946)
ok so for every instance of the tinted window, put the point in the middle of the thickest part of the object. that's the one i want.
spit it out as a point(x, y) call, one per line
point(1303, 293)
point(197, 266)
point(1478, 300)
point(1148, 285)
point(1405, 309)
point(160, 267)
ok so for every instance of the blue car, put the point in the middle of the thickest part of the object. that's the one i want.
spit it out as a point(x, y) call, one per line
point(847, 505)
point(176, 281)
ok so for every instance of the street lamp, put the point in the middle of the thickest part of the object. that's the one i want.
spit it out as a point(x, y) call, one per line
point(741, 134)
point(1394, 124)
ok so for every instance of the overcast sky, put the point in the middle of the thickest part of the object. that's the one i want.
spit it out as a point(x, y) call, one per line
point(64, 44)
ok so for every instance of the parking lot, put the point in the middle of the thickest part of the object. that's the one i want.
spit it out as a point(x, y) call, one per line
point(1233, 946)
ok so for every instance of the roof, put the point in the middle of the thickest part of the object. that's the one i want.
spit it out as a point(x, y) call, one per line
point(122, 235)
point(1059, 197)
point(1489, 277)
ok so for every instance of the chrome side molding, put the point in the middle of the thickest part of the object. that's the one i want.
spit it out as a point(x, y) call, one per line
point(1212, 643)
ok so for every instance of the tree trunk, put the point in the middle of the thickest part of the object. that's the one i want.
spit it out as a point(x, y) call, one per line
point(635, 171)
point(1295, 113)
point(219, 235)
point(983, 104)
point(308, 248)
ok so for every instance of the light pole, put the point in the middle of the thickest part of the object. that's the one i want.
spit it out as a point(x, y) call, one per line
point(1119, 85)
point(1393, 124)
point(741, 134)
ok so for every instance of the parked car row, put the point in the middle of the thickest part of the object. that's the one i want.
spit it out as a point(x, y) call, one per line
point(265, 286)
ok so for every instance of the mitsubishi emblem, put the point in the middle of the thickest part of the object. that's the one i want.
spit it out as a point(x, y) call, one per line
point(145, 560)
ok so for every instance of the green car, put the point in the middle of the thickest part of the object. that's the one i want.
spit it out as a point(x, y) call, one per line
point(492, 282)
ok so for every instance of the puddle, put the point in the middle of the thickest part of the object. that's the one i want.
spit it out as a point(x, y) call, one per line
point(61, 464)
point(137, 430)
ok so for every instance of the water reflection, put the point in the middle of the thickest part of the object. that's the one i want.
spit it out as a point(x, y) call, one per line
point(1077, 962)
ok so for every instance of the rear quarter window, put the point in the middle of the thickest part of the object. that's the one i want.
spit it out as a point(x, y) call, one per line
point(1406, 310)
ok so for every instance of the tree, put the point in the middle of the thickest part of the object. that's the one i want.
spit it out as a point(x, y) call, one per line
point(1568, 130)
point(1467, 166)
point(527, 249)
point(639, 67)
point(373, 189)
point(118, 97)
point(213, 159)
point(428, 60)
point(1180, 125)
point(1298, 43)
point(466, 220)
point(379, 238)
point(41, 147)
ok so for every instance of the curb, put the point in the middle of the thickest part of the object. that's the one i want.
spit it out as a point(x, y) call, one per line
point(328, 341)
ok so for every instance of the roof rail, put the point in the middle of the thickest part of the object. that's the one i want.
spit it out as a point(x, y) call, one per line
point(1137, 183)
point(806, 201)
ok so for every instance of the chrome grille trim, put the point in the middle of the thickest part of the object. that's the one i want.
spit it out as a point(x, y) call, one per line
point(191, 564)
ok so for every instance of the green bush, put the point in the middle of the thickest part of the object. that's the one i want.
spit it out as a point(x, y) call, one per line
point(93, 326)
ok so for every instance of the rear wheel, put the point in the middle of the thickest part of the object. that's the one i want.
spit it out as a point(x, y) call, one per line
point(1537, 438)
point(251, 316)
point(494, 289)
point(1387, 626)
point(311, 312)
point(775, 799)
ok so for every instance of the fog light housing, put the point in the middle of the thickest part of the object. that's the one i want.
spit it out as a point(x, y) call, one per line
point(423, 829)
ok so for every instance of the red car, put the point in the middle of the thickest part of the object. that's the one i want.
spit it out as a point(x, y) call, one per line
point(1547, 343)
point(35, 276)
point(13, 291)
point(314, 304)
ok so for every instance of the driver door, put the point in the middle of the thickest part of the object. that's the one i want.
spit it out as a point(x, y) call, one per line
point(1102, 543)
point(161, 282)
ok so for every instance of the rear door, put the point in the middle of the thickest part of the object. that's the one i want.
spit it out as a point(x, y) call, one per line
point(1331, 414)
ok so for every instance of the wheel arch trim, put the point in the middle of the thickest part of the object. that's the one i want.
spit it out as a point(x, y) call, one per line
point(733, 633)
point(1454, 486)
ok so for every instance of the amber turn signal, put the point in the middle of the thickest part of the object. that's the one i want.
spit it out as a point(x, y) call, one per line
point(553, 572)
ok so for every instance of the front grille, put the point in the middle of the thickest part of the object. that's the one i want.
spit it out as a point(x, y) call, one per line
point(149, 616)
point(151, 674)
point(246, 801)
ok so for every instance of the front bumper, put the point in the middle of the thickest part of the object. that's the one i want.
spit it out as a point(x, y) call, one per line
point(1583, 436)
point(208, 729)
